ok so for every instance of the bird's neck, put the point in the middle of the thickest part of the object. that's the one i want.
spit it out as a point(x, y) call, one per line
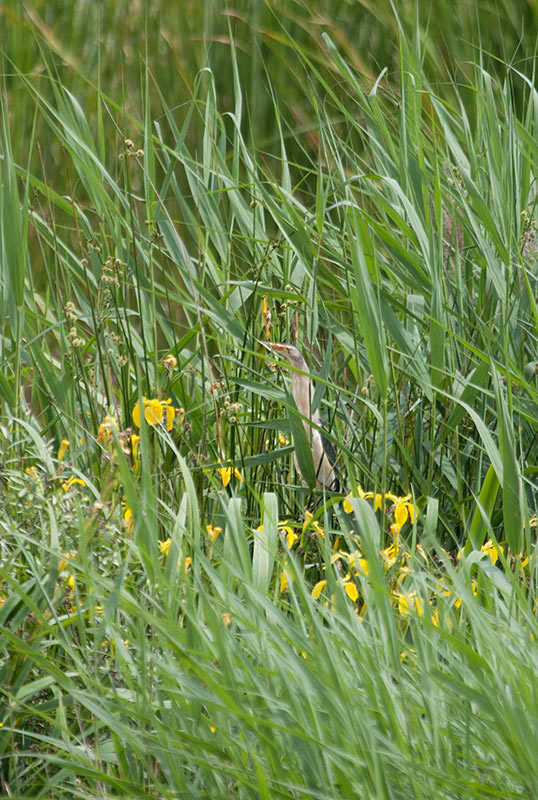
point(303, 393)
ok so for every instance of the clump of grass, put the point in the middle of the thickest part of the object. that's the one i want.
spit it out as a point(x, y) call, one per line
point(187, 667)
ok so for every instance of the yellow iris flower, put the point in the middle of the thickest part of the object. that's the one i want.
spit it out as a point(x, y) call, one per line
point(156, 412)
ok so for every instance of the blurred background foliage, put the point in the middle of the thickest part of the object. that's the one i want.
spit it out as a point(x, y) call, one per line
point(106, 43)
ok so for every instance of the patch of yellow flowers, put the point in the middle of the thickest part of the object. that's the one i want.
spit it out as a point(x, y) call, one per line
point(407, 601)
point(401, 507)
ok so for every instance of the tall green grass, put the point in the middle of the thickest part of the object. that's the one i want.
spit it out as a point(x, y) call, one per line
point(388, 218)
point(143, 677)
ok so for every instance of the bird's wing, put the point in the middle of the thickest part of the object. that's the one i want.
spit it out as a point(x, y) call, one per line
point(331, 456)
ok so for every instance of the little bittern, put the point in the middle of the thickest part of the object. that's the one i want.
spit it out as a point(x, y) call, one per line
point(302, 391)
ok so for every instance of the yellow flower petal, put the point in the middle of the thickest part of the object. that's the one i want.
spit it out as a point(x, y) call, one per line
point(136, 415)
point(128, 517)
point(64, 561)
point(392, 498)
point(62, 449)
point(358, 563)
point(492, 550)
point(104, 433)
point(292, 537)
point(351, 591)
point(348, 508)
point(225, 475)
point(390, 554)
point(318, 588)
point(153, 412)
point(66, 485)
point(266, 318)
point(309, 520)
point(409, 602)
point(135, 441)
point(169, 413)
point(401, 514)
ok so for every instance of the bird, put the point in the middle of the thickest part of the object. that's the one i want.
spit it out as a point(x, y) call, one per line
point(302, 392)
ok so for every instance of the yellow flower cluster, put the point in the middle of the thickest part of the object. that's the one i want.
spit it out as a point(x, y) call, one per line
point(213, 531)
point(491, 549)
point(164, 547)
point(313, 525)
point(356, 565)
point(406, 600)
point(400, 507)
point(286, 532)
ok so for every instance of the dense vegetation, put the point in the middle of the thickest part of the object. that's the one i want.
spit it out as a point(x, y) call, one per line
point(181, 615)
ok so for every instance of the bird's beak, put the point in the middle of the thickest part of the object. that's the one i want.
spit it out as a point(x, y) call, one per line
point(280, 348)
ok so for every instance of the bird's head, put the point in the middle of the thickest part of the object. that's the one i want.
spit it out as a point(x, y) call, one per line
point(290, 353)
